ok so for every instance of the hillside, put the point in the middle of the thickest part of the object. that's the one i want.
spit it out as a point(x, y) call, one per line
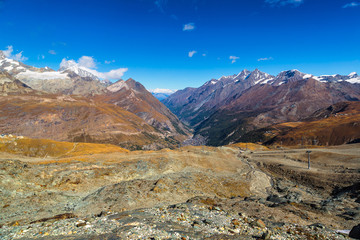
point(335, 125)
point(132, 96)
point(65, 118)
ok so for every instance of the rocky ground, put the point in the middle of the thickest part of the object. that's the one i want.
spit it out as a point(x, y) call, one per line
point(188, 193)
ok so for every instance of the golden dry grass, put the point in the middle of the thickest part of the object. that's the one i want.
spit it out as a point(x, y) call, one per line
point(249, 146)
point(49, 148)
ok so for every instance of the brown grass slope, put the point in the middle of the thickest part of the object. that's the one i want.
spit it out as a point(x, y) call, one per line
point(65, 118)
point(335, 125)
point(136, 99)
point(44, 148)
point(265, 105)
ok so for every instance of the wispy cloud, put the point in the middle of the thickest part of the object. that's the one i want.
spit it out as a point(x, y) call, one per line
point(89, 63)
point(108, 62)
point(42, 56)
point(265, 59)
point(233, 59)
point(191, 53)
point(352, 4)
point(52, 52)
point(9, 54)
point(204, 54)
point(189, 27)
point(294, 3)
point(160, 5)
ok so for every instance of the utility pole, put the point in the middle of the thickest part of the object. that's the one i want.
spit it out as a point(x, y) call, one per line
point(308, 152)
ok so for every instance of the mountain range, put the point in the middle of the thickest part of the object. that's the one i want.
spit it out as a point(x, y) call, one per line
point(226, 110)
point(73, 104)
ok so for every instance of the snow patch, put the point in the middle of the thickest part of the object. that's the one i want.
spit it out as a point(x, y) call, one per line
point(353, 80)
point(30, 75)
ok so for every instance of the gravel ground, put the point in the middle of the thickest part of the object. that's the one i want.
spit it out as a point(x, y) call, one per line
point(180, 221)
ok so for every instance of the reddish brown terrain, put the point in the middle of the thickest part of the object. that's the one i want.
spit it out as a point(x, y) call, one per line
point(133, 97)
point(265, 105)
point(335, 125)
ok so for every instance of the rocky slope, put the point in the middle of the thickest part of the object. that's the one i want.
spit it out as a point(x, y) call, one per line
point(10, 86)
point(133, 97)
point(192, 192)
point(222, 112)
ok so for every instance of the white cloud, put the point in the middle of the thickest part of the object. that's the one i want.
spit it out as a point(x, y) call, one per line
point(204, 54)
point(295, 3)
point(52, 52)
point(189, 27)
point(89, 64)
point(352, 4)
point(265, 59)
point(233, 58)
point(114, 74)
point(191, 53)
point(9, 54)
point(42, 56)
point(8, 51)
point(86, 61)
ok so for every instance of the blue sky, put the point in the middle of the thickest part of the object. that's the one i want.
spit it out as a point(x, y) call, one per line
point(178, 43)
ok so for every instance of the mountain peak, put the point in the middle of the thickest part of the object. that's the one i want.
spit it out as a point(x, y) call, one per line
point(353, 74)
point(2, 55)
point(117, 86)
point(71, 66)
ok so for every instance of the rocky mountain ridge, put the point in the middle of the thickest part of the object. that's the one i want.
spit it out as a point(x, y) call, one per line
point(225, 109)
point(136, 116)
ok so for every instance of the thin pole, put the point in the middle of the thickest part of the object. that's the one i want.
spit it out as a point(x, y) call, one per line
point(308, 152)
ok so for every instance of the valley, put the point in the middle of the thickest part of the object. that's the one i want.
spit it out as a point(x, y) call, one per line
point(82, 158)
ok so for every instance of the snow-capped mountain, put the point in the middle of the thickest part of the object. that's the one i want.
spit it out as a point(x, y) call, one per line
point(351, 78)
point(68, 80)
point(72, 66)
point(288, 76)
point(221, 105)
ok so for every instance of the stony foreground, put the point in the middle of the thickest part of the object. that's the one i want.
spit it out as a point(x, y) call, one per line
point(180, 221)
point(189, 193)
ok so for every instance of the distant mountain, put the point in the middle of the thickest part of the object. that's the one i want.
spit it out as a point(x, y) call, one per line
point(70, 80)
point(161, 94)
point(193, 105)
point(224, 110)
point(71, 66)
